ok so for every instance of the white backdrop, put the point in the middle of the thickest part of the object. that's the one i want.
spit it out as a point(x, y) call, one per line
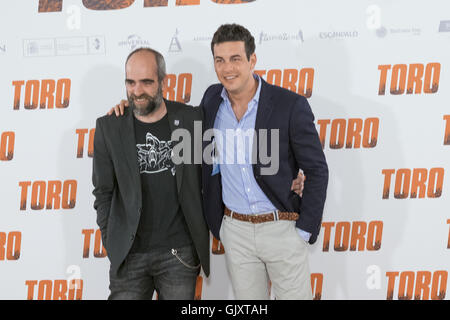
point(385, 232)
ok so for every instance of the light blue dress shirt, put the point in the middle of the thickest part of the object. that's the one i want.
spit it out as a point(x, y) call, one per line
point(234, 139)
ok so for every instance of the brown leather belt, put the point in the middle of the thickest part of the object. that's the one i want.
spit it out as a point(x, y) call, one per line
point(260, 218)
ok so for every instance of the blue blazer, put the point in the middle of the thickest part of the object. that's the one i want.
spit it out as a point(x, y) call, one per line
point(299, 147)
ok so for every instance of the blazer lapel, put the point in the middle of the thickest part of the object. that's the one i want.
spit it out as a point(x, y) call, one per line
point(210, 115)
point(175, 122)
point(264, 107)
point(263, 114)
point(127, 135)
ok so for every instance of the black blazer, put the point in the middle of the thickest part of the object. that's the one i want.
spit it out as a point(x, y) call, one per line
point(117, 185)
point(300, 147)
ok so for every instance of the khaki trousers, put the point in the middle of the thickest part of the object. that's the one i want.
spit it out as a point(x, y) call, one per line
point(257, 253)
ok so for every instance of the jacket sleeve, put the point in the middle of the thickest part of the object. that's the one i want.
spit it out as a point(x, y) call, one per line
point(309, 156)
point(103, 179)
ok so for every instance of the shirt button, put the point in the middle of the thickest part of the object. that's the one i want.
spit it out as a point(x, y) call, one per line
point(248, 189)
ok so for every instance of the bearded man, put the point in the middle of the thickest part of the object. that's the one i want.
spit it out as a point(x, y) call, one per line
point(149, 209)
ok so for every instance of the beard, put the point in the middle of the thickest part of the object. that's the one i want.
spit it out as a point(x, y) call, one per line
point(153, 103)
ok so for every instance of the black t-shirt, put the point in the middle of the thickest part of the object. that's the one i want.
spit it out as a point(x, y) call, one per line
point(162, 222)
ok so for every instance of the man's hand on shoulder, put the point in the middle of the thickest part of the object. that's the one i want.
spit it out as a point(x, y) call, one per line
point(119, 108)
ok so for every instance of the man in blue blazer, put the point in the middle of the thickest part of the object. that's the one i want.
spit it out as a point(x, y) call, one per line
point(263, 225)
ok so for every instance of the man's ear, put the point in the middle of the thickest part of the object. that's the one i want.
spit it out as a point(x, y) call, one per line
point(253, 60)
point(163, 83)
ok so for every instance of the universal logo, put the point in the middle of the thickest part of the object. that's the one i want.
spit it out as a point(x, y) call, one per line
point(134, 41)
point(283, 36)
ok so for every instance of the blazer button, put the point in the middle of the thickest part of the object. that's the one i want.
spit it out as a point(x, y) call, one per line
point(132, 237)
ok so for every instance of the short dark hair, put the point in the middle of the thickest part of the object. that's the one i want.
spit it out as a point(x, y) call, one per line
point(234, 32)
point(160, 62)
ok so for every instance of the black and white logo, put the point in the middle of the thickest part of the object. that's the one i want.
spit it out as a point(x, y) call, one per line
point(155, 156)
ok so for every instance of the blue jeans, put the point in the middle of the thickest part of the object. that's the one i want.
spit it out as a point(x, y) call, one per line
point(172, 273)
